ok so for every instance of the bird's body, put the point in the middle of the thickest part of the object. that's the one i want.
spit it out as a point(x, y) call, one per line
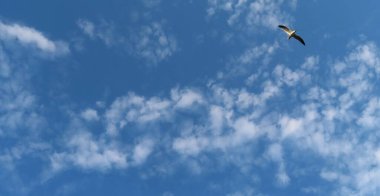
point(291, 33)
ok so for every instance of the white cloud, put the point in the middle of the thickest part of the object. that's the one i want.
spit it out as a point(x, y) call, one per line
point(246, 99)
point(334, 122)
point(88, 153)
point(252, 14)
point(324, 124)
point(104, 31)
point(190, 145)
point(217, 119)
point(282, 177)
point(90, 115)
point(245, 130)
point(153, 43)
point(135, 109)
point(142, 150)
point(371, 114)
point(329, 175)
point(291, 126)
point(5, 69)
point(22, 119)
point(19, 106)
point(310, 63)
point(87, 27)
point(270, 90)
point(256, 55)
point(252, 79)
point(263, 51)
point(275, 152)
point(366, 53)
point(29, 36)
point(289, 77)
point(186, 98)
point(266, 13)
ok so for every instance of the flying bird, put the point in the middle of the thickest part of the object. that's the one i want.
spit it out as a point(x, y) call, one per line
point(291, 33)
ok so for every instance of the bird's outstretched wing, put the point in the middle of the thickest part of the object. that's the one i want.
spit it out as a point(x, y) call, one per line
point(285, 28)
point(297, 37)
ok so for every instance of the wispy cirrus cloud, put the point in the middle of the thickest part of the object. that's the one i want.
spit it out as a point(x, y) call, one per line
point(151, 42)
point(103, 31)
point(249, 60)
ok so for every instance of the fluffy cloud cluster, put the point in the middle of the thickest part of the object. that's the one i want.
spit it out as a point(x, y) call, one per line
point(333, 121)
point(89, 153)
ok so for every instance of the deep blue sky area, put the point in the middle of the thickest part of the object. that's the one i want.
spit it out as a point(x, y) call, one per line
point(153, 97)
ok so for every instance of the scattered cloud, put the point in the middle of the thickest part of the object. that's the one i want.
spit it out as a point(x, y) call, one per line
point(135, 109)
point(264, 52)
point(252, 14)
point(332, 121)
point(151, 42)
point(104, 31)
point(225, 119)
point(251, 58)
point(20, 106)
point(310, 63)
point(22, 119)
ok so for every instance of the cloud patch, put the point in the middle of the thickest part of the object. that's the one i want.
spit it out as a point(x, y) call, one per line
point(252, 15)
point(30, 36)
point(88, 153)
point(151, 42)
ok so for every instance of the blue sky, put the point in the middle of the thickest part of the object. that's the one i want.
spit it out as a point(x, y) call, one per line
point(155, 97)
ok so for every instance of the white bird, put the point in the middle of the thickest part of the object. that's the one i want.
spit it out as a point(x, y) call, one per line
point(291, 33)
